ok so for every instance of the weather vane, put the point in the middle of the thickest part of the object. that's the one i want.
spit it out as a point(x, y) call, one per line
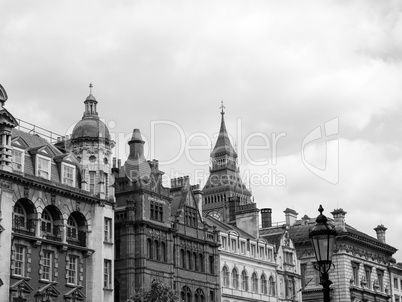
point(90, 88)
point(222, 107)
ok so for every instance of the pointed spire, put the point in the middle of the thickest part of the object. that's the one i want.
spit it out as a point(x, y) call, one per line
point(136, 167)
point(223, 144)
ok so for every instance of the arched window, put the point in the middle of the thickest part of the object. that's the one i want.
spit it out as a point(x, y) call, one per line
point(163, 251)
point(263, 284)
point(20, 216)
point(72, 229)
point(201, 259)
point(47, 222)
point(185, 294)
point(254, 282)
point(196, 264)
point(235, 278)
point(225, 276)
point(271, 286)
point(199, 295)
point(182, 259)
point(244, 281)
point(189, 261)
point(156, 249)
point(149, 248)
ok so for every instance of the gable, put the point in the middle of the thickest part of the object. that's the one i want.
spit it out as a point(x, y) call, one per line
point(19, 142)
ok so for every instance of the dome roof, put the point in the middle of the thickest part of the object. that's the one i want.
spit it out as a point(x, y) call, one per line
point(90, 98)
point(92, 128)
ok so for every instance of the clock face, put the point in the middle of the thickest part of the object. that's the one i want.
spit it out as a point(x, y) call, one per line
point(216, 215)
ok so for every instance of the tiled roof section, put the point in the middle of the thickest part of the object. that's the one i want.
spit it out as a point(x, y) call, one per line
point(34, 141)
point(224, 227)
point(223, 144)
point(291, 211)
point(273, 235)
point(299, 232)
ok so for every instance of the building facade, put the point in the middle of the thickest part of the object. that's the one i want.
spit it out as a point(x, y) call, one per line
point(361, 262)
point(289, 279)
point(160, 232)
point(52, 239)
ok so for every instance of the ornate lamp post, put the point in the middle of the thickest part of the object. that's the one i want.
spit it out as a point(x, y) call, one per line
point(322, 238)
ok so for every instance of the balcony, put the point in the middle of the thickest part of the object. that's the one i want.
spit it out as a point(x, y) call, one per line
point(79, 239)
point(51, 232)
point(24, 226)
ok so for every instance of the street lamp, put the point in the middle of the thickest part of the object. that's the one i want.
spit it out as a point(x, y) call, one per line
point(322, 238)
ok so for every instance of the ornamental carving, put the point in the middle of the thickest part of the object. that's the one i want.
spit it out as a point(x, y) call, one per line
point(5, 184)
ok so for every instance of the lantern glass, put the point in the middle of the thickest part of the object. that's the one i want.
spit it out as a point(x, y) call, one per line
point(323, 246)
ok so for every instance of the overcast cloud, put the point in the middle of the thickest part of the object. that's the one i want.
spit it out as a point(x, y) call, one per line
point(281, 67)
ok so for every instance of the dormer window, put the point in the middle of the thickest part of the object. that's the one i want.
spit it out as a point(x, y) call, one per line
point(18, 160)
point(43, 167)
point(68, 172)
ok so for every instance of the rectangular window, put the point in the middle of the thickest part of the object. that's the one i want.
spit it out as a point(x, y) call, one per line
point(252, 250)
point(242, 247)
point(72, 270)
point(211, 265)
point(107, 274)
point(261, 252)
point(18, 163)
point(92, 175)
point(397, 298)
point(68, 175)
point(224, 242)
point(270, 255)
point(156, 209)
point(396, 283)
point(20, 260)
point(43, 167)
point(355, 269)
point(108, 230)
point(288, 257)
point(233, 245)
point(367, 271)
point(400, 284)
point(190, 216)
point(380, 278)
point(303, 268)
point(47, 265)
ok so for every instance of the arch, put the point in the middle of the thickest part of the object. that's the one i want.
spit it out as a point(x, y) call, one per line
point(51, 221)
point(254, 283)
point(225, 276)
point(24, 214)
point(156, 250)
point(196, 264)
point(185, 294)
point(77, 228)
point(199, 295)
point(235, 278)
point(244, 280)
point(149, 248)
point(163, 251)
point(182, 258)
point(263, 284)
point(201, 259)
point(189, 261)
point(271, 286)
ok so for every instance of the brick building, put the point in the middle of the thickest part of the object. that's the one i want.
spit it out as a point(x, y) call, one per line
point(160, 232)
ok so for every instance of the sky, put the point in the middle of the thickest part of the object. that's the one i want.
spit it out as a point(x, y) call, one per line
point(311, 91)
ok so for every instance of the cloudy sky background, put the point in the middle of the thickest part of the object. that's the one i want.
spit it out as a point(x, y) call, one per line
point(281, 67)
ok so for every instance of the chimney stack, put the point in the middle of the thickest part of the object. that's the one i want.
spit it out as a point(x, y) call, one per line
point(291, 216)
point(266, 217)
point(380, 230)
point(339, 219)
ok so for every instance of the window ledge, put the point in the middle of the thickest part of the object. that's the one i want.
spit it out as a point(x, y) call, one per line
point(108, 289)
point(108, 242)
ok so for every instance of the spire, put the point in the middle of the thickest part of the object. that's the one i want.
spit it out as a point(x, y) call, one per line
point(223, 145)
point(136, 167)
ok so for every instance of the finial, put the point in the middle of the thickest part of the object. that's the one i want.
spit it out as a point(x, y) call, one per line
point(320, 209)
point(222, 107)
point(90, 88)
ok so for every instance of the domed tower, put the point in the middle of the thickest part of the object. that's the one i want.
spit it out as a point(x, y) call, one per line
point(91, 143)
point(224, 183)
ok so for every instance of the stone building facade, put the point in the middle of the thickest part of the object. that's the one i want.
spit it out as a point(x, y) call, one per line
point(361, 262)
point(160, 232)
point(53, 228)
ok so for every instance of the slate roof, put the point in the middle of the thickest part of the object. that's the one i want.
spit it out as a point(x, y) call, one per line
point(224, 227)
point(34, 141)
